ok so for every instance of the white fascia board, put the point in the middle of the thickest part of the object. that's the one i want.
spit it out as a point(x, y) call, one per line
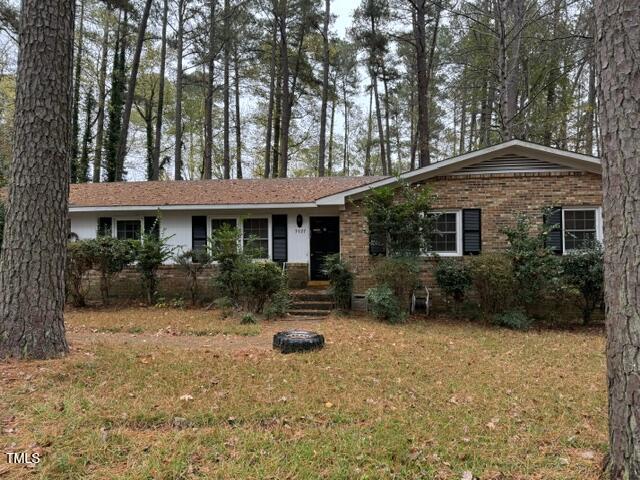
point(154, 208)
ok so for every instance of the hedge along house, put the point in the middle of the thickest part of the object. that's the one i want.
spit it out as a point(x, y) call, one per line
point(298, 221)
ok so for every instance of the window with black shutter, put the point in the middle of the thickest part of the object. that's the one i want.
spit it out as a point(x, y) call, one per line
point(279, 240)
point(152, 226)
point(105, 226)
point(553, 220)
point(471, 231)
point(198, 232)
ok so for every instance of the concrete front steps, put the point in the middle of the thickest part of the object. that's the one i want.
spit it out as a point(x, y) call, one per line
point(310, 303)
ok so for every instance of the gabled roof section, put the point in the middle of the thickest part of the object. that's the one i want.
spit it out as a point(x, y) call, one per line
point(242, 193)
point(514, 156)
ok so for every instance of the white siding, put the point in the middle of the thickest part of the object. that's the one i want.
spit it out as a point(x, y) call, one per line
point(177, 225)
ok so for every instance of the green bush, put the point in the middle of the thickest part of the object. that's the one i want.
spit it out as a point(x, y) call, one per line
point(279, 304)
point(536, 270)
point(583, 271)
point(79, 263)
point(340, 280)
point(259, 283)
point(151, 252)
point(492, 281)
point(248, 319)
point(383, 304)
point(453, 278)
point(193, 262)
point(513, 319)
point(109, 257)
point(401, 275)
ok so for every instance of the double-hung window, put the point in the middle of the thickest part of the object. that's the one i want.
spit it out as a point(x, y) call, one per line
point(255, 236)
point(446, 235)
point(128, 229)
point(581, 226)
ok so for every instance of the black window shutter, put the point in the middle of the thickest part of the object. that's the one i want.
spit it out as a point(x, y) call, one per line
point(471, 231)
point(152, 226)
point(198, 232)
point(279, 240)
point(105, 226)
point(554, 239)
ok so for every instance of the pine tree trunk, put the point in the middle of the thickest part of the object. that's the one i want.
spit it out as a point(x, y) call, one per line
point(177, 175)
point(83, 165)
point(238, 125)
point(208, 102)
point(591, 106)
point(325, 88)
point(276, 127)
point(286, 100)
point(163, 62)
point(420, 33)
point(131, 91)
point(367, 153)
point(619, 91)
point(272, 81)
point(32, 261)
point(383, 157)
point(329, 171)
point(97, 160)
point(226, 154)
point(387, 122)
point(75, 140)
point(345, 155)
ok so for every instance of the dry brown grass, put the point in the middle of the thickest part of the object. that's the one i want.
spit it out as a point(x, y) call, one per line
point(425, 400)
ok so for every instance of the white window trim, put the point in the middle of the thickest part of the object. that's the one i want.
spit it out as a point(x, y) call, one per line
point(240, 227)
point(458, 252)
point(115, 220)
point(599, 227)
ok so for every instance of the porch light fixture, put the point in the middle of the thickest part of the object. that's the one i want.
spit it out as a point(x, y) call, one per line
point(299, 221)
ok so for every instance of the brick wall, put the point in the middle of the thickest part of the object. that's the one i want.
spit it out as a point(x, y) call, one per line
point(500, 196)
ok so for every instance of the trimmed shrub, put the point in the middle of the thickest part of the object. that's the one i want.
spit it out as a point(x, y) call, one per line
point(401, 275)
point(151, 252)
point(493, 282)
point(383, 304)
point(513, 319)
point(535, 267)
point(193, 262)
point(279, 304)
point(340, 280)
point(109, 257)
point(453, 278)
point(259, 282)
point(583, 271)
point(79, 262)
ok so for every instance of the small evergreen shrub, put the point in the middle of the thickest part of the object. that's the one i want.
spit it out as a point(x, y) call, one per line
point(535, 267)
point(151, 252)
point(279, 305)
point(248, 319)
point(513, 319)
point(79, 262)
point(401, 275)
point(340, 280)
point(453, 278)
point(109, 257)
point(193, 262)
point(383, 304)
point(259, 283)
point(583, 271)
point(492, 282)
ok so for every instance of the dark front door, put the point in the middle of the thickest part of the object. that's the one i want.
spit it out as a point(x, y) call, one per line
point(325, 240)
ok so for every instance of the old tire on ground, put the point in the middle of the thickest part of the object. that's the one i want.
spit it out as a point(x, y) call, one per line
point(292, 341)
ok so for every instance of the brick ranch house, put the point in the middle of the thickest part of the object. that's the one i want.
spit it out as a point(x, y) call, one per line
point(297, 221)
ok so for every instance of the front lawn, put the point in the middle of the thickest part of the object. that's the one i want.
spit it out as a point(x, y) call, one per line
point(426, 400)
